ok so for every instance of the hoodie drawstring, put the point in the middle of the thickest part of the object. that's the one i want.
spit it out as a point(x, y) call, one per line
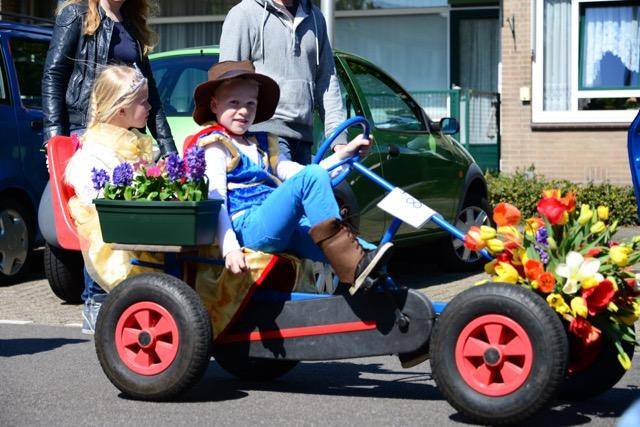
point(315, 28)
point(264, 21)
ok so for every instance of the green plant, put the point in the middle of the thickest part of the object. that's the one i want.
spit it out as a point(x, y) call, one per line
point(524, 188)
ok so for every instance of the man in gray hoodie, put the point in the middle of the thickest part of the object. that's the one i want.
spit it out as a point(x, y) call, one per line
point(287, 40)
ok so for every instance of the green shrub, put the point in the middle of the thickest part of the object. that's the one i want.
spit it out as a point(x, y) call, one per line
point(524, 188)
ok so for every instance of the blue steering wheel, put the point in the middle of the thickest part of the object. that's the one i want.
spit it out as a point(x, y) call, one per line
point(366, 128)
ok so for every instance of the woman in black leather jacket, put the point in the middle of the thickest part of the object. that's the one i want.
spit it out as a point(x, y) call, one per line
point(89, 34)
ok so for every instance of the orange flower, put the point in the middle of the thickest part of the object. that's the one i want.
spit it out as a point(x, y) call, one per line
point(533, 269)
point(569, 202)
point(546, 282)
point(473, 239)
point(505, 214)
point(533, 224)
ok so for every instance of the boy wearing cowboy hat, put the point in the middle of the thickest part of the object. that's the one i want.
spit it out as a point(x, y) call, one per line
point(271, 204)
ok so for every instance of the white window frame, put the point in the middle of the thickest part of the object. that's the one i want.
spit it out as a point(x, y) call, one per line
point(573, 115)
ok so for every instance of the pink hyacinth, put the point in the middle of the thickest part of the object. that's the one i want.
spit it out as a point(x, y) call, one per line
point(154, 172)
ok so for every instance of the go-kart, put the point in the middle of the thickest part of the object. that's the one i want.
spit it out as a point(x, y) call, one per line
point(498, 352)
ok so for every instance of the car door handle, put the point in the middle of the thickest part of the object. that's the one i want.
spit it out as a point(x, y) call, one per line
point(393, 151)
point(37, 124)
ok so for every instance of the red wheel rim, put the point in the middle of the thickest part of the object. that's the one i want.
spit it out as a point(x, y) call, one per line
point(147, 338)
point(494, 355)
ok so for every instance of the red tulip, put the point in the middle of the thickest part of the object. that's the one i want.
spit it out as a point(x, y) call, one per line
point(598, 297)
point(546, 282)
point(584, 330)
point(472, 239)
point(553, 209)
point(533, 269)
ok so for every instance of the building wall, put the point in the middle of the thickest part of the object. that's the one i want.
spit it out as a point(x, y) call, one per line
point(579, 154)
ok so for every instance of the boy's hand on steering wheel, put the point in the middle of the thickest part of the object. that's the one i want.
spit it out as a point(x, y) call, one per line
point(359, 145)
point(235, 262)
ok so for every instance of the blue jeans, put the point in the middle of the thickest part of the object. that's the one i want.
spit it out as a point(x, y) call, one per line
point(296, 149)
point(91, 288)
point(282, 222)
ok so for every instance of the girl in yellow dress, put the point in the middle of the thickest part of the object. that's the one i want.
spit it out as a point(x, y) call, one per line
point(118, 107)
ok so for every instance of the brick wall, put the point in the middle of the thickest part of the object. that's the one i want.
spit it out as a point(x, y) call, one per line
point(577, 155)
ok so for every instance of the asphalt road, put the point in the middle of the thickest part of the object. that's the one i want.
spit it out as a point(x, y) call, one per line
point(51, 376)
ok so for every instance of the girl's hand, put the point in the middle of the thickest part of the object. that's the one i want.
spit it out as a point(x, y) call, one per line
point(235, 262)
point(359, 145)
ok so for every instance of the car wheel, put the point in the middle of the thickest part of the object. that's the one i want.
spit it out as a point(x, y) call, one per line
point(455, 256)
point(251, 368)
point(498, 353)
point(153, 337)
point(17, 233)
point(63, 270)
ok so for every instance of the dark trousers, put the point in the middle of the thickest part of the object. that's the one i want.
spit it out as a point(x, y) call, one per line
point(297, 150)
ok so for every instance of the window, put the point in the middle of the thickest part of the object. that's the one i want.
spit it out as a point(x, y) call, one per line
point(391, 107)
point(28, 58)
point(587, 61)
point(4, 88)
point(177, 77)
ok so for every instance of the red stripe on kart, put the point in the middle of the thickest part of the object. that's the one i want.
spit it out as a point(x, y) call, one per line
point(302, 331)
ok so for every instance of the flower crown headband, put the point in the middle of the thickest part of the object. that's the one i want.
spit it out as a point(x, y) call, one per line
point(138, 81)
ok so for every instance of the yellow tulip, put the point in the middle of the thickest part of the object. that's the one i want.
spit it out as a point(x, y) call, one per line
point(534, 284)
point(603, 213)
point(620, 255)
point(579, 307)
point(490, 267)
point(481, 282)
point(624, 360)
point(598, 227)
point(552, 243)
point(589, 282)
point(556, 301)
point(585, 214)
point(612, 307)
point(487, 233)
point(495, 246)
point(506, 273)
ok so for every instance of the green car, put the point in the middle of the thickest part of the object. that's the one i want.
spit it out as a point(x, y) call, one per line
point(409, 149)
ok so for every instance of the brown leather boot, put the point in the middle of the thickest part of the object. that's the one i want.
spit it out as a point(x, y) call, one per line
point(349, 260)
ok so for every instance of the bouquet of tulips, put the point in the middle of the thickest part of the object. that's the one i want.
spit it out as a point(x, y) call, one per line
point(170, 179)
point(568, 257)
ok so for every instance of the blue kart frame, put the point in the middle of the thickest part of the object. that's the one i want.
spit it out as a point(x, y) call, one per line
point(489, 346)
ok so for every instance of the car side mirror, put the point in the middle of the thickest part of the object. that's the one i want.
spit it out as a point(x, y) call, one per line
point(449, 126)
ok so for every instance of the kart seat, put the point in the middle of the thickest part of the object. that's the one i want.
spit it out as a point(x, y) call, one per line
point(59, 151)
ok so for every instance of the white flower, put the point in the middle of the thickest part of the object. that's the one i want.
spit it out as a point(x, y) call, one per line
point(576, 270)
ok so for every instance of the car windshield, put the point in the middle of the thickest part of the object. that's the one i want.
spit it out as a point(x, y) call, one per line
point(177, 77)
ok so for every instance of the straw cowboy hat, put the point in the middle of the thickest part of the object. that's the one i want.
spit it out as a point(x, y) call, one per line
point(268, 93)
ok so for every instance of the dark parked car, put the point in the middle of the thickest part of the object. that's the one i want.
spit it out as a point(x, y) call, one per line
point(23, 173)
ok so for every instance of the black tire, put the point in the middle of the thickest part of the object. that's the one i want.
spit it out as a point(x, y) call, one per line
point(251, 368)
point(63, 270)
point(600, 376)
point(547, 357)
point(17, 234)
point(193, 330)
point(453, 255)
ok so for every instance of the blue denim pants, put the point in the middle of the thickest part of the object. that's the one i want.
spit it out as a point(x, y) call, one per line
point(91, 288)
point(282, 222)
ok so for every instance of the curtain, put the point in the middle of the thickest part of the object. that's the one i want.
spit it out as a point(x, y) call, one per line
point(416, 55)
point(184, 35)
point(557, 55)
point(479, 54)
point(611, 46)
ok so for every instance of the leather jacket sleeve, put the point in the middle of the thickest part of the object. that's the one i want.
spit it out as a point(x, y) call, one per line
point(157, 122)
point(58, 68)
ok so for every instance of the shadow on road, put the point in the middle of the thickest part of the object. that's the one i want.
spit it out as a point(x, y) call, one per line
point(327, 378)
point(611, 404)
point(25, 346)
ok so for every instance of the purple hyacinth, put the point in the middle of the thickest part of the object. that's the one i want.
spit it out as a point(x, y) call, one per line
point(123, 174)
point(541, 239)
point(175, 167)
point(195, 163)
point(99, 178)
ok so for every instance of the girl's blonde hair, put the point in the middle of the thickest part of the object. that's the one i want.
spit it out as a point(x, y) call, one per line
point(116, 87)
point(134, 12)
